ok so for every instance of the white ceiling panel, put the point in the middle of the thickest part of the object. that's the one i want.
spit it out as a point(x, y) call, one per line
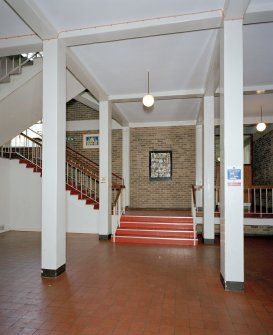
point(10, 24)
point(258, 54)
point(162, 111)
point(176, 62)
point(71, 14)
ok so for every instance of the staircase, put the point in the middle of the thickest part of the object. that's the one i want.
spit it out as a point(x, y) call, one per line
point(164, 230)
point(82, 174)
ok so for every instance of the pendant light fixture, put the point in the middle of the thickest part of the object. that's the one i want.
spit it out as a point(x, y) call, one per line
point(148, 99)
point(261, 125)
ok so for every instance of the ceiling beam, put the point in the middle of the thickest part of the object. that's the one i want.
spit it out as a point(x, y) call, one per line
point(76, 67)
point(87, 99)
point(19, 45)
point(166, 95)
point(235, 9)
point(144, 28)
point(213, 74)
point(32, 15)
point(259, 14)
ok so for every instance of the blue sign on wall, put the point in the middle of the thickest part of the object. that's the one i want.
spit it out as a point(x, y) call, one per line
point(234, 176)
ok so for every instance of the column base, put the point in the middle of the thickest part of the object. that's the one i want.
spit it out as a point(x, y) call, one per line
point(208, 241)
point(48, 273)
point(104, 237)
point(232, 285)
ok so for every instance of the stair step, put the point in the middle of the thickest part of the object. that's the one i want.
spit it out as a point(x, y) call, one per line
point(158, 233)
point(156, 225)
point(174, 219)
point(154, 240)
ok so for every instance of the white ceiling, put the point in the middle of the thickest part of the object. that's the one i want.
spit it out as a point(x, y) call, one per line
point(176, 40)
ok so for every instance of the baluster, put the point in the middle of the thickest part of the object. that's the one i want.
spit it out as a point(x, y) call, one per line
point(254, 192)
point(261, 201)
point(266, 205)
point(248, 200)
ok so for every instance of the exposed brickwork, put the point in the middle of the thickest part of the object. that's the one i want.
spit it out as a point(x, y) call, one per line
point(93, 154)
point(174, 193)
point(263, 160)
point(77, 111)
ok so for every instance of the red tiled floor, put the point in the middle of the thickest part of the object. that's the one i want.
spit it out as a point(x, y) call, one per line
point(132, 289)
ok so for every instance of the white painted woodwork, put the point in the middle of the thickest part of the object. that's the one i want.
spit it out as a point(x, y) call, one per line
point(177, 45)
point(73, 86)
point(231, 119)
point(53, 182)
point(199, 162)
point(126, 163)
point(105, 218)
point(208, 168)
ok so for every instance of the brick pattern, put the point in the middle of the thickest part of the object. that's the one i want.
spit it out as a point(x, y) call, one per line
point(174, 193)
point(93, 154)
point(263, 160)
point(76, 111)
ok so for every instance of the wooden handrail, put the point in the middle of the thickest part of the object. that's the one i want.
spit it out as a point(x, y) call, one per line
point(92, 162)
point(32, 140)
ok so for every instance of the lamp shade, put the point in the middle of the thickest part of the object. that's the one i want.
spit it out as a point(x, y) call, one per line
point(261, 126)
point(148, 100)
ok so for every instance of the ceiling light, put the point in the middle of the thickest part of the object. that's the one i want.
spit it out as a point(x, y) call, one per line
point(148, 99)
point(261, 125)
point(260, 91)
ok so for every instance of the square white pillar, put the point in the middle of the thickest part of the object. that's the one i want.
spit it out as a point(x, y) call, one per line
point(208, 168)
point(199, 162)
point(105, 216)
point(126, 163)
point(231, 137)
point(53, 179)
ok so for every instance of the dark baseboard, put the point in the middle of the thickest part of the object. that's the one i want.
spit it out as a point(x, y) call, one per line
point(104, 237)
point(49, 273)
point(209, 241)
point(232, 285)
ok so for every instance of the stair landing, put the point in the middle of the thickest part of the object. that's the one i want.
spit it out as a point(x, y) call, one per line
point(168, 230)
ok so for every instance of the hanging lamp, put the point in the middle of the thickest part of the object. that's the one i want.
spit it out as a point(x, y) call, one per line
point(261, 125)
point(148, 99)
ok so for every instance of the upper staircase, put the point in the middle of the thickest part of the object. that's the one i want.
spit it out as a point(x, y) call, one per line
point(20, 94)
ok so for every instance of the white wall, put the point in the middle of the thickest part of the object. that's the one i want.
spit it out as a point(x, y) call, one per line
point(25, 197)
point(4, 194)
point(81, 218)
point(20, 202)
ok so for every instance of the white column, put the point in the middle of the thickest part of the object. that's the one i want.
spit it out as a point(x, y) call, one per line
point(231, 133)
point(53, 180)
point(105, 216)
point(208, 166)
point(199, 162)
point(126, 163)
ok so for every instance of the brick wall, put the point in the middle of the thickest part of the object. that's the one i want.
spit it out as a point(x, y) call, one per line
point(93, 154)
point(77, 111)
point(174, 193)
point(263, 160)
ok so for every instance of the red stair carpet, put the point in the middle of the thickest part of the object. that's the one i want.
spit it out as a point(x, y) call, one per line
point(166, 230)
